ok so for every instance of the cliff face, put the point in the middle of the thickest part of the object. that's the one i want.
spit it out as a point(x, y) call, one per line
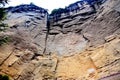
point(22, 63)
point(92, 26)
point(29, 22)
point(80, 43)
point(65, 34)
point(68, 30)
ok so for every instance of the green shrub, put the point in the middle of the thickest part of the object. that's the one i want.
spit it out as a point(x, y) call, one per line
point(4, 77)
point(4, 39)
point(2, 14)
point(3, 26)
point(0, 76)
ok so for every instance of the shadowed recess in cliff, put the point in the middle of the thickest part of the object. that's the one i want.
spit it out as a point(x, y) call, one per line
point(47, 33)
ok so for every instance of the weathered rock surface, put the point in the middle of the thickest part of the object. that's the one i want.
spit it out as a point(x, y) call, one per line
point(94, 27)
point(91, 63)
point(22, 63)
point(77, 47)
point(30, 25)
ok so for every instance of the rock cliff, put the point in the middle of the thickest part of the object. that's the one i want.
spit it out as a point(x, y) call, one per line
point(81, 42)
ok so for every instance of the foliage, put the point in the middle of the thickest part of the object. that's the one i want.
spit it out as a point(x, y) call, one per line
point(58, 11)
point(2, 11)
point(2, 14)
point(54, 11)
point(3, 26)
point(0, 76)
point(4, 77)
point(4, 39)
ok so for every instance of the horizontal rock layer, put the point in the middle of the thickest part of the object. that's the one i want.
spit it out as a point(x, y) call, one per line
point(79, 46)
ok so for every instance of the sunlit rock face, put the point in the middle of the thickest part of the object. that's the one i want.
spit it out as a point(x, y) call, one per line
point(94, 27)
point(31, 21)
point(65, 26)
point(99, 63)
point(66, 44)
point(79, 21)
point(28, 21)
point(81, 45)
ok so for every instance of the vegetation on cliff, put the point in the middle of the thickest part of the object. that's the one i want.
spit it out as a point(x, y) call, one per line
point(2, 10)
point(79, 47)
point(3, 39)
point(4, 77)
